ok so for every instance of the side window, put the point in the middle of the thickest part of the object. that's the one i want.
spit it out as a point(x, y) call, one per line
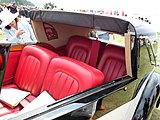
point(103, 35)
point(107, 37)
point(50, 32)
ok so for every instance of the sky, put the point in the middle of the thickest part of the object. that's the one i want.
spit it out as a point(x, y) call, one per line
point(146, 8)
point(132, 5)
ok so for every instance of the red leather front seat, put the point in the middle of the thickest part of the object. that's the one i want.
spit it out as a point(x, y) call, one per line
point(67, 76)
point(32, 68)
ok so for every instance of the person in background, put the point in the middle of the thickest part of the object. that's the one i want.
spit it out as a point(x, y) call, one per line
point(16, 30)
point(24, 12)
point(12, 8)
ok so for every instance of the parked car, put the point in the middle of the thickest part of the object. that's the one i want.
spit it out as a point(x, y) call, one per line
point(69, 69)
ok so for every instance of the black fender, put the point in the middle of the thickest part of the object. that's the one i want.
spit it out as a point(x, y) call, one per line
point(149, 97)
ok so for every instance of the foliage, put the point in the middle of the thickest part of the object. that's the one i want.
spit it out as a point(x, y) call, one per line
point(49, 5)
point(18, 2)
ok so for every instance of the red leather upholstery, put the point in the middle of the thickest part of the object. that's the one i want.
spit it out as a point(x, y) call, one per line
point(4, 109)
point(67, 76)
point(1, 62)
point(112, 62)
point(48, 46)
point(12, 64)
point(32, 68)
point(79, 48)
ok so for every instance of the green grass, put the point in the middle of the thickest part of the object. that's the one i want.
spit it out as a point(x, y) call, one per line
point(156, 114)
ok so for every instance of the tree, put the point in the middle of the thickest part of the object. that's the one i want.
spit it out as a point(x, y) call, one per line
point(49, 5)
point(18, 2)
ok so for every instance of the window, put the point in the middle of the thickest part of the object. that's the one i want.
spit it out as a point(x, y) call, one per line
point(51, 33)
point(107, 37)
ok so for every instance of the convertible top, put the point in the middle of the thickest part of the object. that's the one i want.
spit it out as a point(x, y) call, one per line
point(95, 21)
point(82, 19)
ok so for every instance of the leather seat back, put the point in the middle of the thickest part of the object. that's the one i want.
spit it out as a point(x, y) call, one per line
point(79, 48)
point(33, 63)
point(67, 76)
point(112, 62)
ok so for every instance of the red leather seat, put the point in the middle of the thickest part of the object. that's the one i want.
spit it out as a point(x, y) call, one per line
point(4, 109)
point(67, 76)
point(32, 67)
point(79, 48)
point(48, 46)
point(112, 62)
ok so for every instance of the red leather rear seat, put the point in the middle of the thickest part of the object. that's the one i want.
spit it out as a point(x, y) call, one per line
point(67, 76)
point(112, 62)
point(33, 63)
point(79, 48)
